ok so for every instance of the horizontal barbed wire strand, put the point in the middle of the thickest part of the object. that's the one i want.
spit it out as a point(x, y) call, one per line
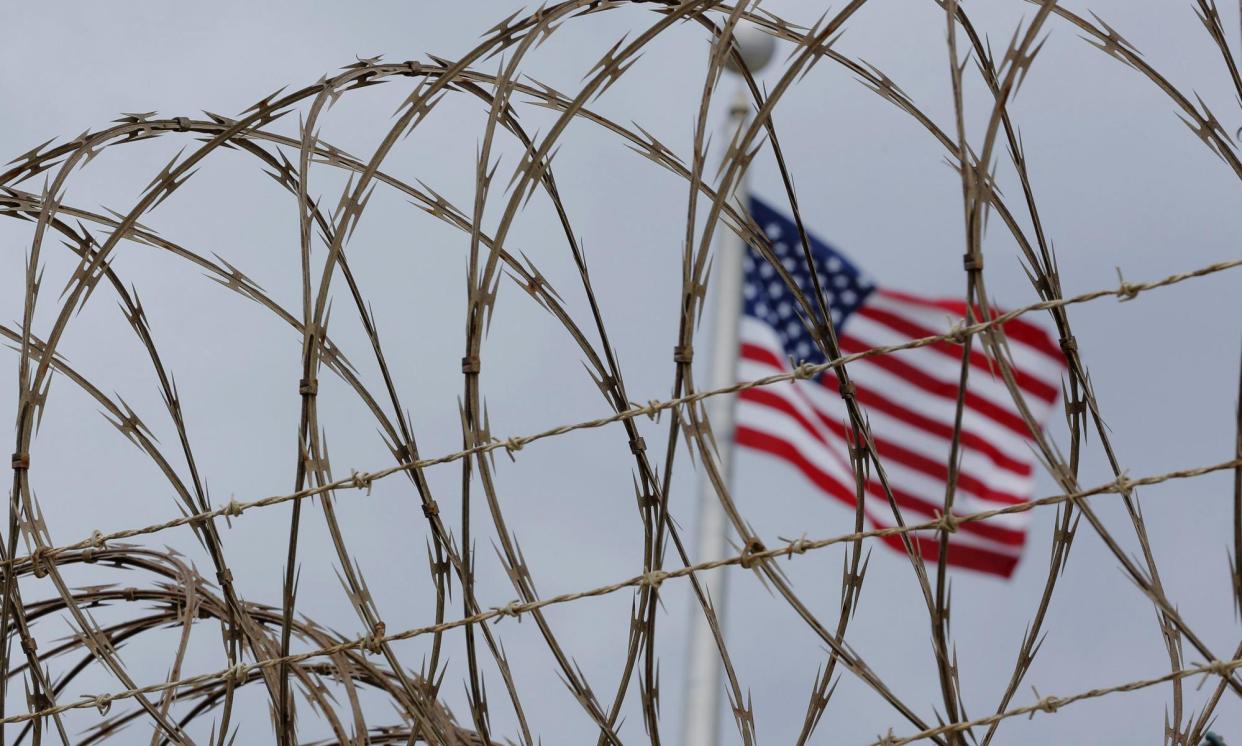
point(790, 549)
point(364, 480)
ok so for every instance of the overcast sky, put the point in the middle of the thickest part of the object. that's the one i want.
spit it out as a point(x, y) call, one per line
point(1121, 183)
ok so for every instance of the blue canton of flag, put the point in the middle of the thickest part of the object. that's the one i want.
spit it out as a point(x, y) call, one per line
point(767, 298)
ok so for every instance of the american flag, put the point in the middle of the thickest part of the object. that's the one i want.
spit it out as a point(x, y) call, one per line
point(909, 398)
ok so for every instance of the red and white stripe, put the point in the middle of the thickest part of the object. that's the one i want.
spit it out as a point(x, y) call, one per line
point(910, 399)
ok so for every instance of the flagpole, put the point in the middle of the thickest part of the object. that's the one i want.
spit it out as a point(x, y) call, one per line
point(701, 715)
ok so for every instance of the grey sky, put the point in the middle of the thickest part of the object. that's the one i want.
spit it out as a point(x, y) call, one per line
point(1120, 182)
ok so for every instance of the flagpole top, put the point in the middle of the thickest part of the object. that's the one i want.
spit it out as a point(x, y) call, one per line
point(755, 46)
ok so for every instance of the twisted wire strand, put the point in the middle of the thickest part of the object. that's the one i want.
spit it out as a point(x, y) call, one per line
point(798, 547)
point(1050, 704)
point(365, 480)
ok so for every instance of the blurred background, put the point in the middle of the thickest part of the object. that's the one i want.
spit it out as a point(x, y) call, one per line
point(1121, 183)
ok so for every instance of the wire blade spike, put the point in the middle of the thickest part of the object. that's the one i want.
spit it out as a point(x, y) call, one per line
point(317, 679)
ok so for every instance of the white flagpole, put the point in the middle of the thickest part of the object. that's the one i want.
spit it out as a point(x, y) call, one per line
point(701, 716)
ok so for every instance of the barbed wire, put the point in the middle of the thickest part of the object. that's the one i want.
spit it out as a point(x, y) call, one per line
point(365, 480)
point(1050, 704)
point(797, 547)
point(519, 34)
